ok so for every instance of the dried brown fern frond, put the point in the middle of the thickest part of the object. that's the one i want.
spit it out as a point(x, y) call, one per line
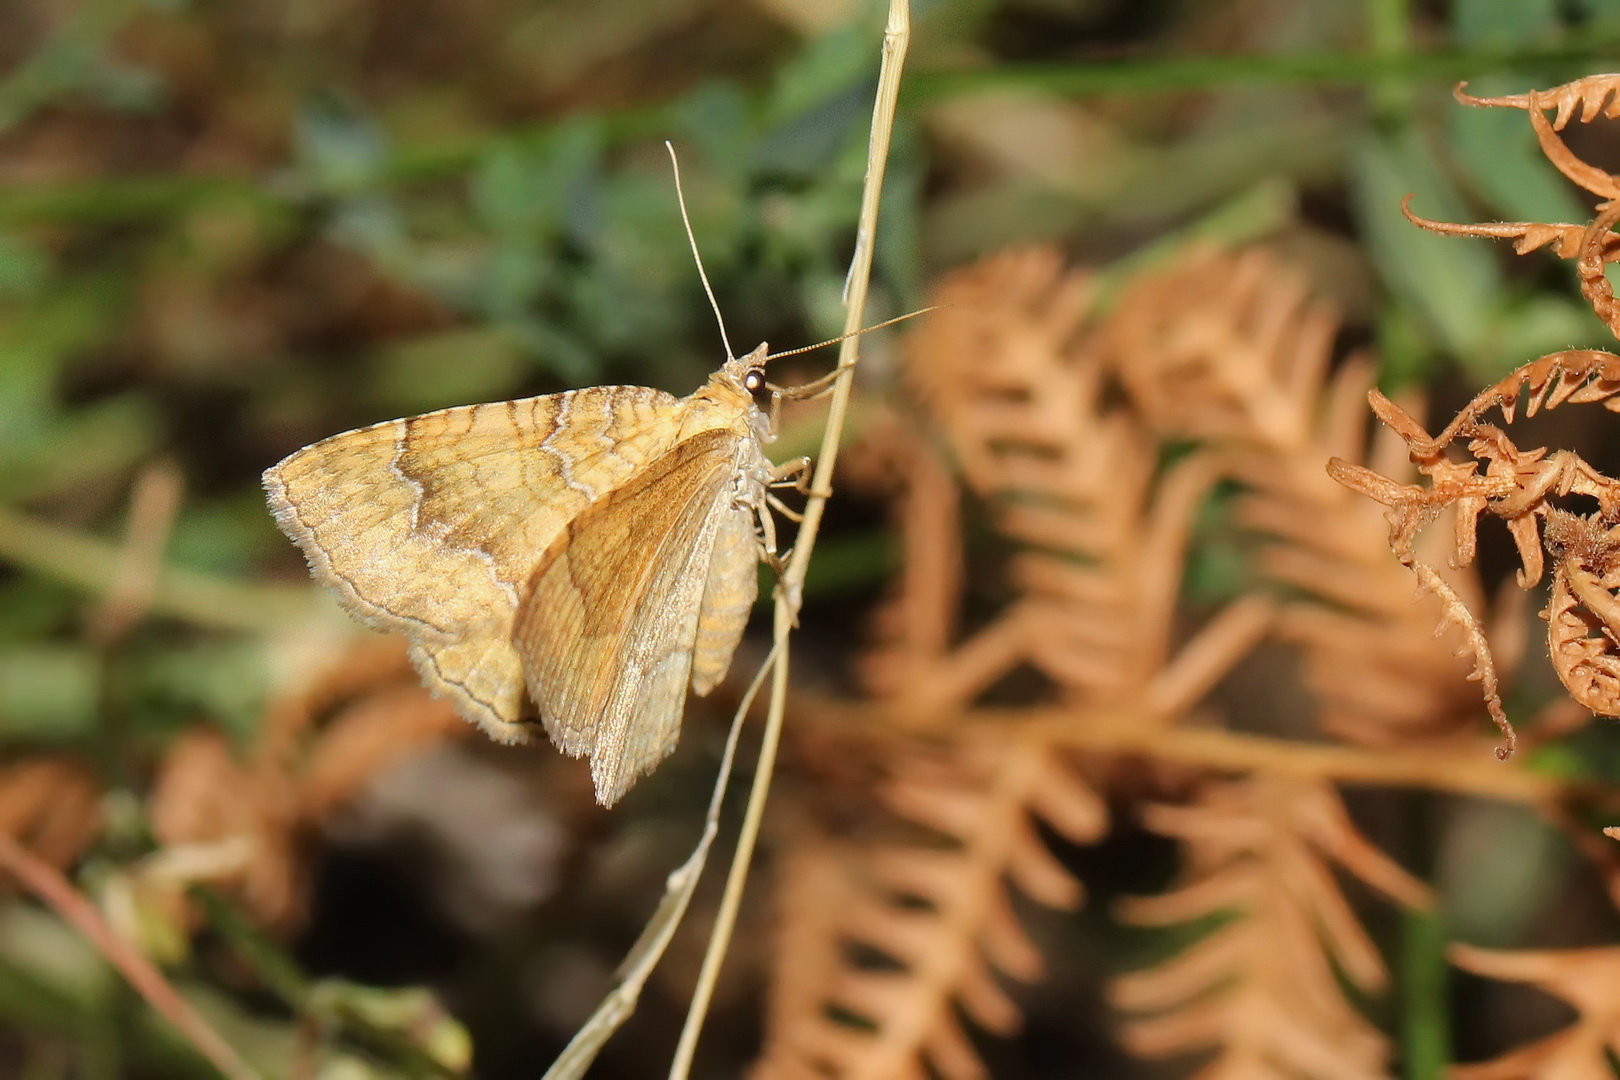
point(318, 747)
point(51, 805)
point(204, 797)
point(1011, 370)
point(933, 921)
point(1232, 350)
point(1590, 245)
point(914, 627)
point(1587, 979)
point(1262, 989)
point(1520, 486)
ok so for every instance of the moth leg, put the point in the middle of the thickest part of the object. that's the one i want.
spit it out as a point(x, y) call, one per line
point(765, 525)
point(765, 533)
point(765, 530)
point(783, 508)
point(798, 475)
point(778, 562)
point(794, 474)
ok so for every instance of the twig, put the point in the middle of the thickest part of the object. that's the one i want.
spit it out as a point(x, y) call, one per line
point(896, 36)
point(46, 882)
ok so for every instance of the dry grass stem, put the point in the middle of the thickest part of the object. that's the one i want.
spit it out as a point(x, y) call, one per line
point(896, 37)
point(153, 503)
point(49, 885)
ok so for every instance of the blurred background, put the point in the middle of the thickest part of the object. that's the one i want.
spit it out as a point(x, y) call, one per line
point(229, 228)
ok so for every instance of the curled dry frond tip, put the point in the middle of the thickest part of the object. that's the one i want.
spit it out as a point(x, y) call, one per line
point(1473, 466)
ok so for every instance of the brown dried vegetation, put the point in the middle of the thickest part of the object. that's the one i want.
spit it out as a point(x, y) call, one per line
point(1525, 487)
point(1473, 467)
point(1056, 408)
point(1263, 989)
point(318, 746)
point(1055, 411)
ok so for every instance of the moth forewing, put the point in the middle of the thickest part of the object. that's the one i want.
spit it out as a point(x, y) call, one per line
point(431, 526)
point(608, 628)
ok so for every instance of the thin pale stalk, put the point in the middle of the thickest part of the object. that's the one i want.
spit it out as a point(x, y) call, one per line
point(48, 883)
point(896, 36)
point(92, 564)
point(655, 937)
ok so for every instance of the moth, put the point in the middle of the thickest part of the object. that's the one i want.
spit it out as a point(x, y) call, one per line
point(579, 558)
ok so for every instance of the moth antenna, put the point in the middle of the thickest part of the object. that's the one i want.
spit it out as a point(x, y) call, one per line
point(680, 197)
point(855, 333)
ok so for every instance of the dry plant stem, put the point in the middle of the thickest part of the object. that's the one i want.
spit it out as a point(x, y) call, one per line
point(50, 886)
point(896, 35)
point(92, 564)
point(649, 948)
point(152, 507)
point(1464, 772)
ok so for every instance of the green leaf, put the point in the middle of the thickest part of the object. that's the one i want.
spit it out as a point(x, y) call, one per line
point(829, 67)
point(715, 120)
point(1453, 282)
point(1602, 17)
point(39, 341)
point(97, 441)
point(512, 191)
point(1504, 24)
point(223, 680)
point(1500, 866)
point(338, 147)
point(1539, 325)
point(226, 535)
point(47, 691)
point(24, 268)
point(452, 367)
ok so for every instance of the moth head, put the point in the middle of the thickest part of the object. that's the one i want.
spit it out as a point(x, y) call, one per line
point(744, 377)
point(746, 374)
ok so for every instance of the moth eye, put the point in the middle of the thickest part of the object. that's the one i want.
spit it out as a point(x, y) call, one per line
point(754, 383)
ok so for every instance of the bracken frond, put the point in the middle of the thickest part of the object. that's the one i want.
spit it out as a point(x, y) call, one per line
point(319, 745)
point(1590, 245)
point(1262, 989)
point(1523, 488)
point(914, 627)
point(51, 804)
point(1009, 374)
point(1594, 95)
point(1587, 979)
point(204, 796)
point(1231, 349)
point(933, 922)
point(1012, 370)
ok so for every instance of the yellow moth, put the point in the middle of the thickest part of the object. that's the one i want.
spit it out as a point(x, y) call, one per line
point(580, 558)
